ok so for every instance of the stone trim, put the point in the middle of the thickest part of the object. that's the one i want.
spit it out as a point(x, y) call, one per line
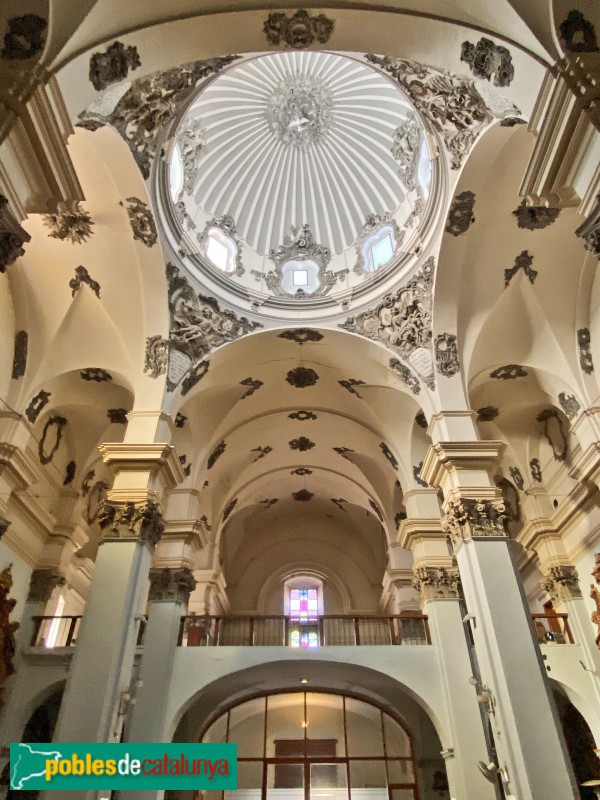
point(169, 585)
point(42, 583)
point(437, 583)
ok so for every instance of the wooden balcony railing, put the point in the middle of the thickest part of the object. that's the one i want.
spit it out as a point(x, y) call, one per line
point(55, 631)
point(552, 628)
point(280, 631)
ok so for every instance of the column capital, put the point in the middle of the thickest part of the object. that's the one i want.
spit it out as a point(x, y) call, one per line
point(458, 463)
point(42, 584)
point(562, 583)
point(468, 519)
point(131, 522)
point(437, 583)
point(171, 585)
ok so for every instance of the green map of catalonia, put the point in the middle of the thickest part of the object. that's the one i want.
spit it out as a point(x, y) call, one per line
point(30, 764)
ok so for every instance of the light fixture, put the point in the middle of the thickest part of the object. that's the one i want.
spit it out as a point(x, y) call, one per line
point(303, 680)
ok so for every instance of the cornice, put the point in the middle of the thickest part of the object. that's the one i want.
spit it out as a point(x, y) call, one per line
point(442, 456)
point(412, 531)
point(154, 457)
point(188, 529)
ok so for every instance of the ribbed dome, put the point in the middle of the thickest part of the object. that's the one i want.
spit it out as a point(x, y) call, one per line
point(295, 138)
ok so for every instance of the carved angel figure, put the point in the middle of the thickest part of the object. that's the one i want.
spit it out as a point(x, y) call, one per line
point(7, 628)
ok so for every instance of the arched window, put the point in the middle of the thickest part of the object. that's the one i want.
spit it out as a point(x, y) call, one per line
point(305, 745)
point(303, 604)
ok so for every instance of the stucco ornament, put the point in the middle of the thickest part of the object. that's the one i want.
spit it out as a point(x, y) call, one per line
point(533, 218)
point(190, 139)
point(595, 595)
point(488, 60)
point(584, 344)
point(453, 105)
point(149, 104)
point(20, 355)
point(590, 230)
point(74, 226)
point(562, 583)
point(460, 215)
point(198, 324)
point(402, 320)
point(446, 355)
point(157, 356)
point(522, 262)
point(437, 583)
point(141, 521)
point(468, 519)
point(406, 375)
point(569, 404)
point(406, 147)
point(113, 65)
point(169, 585)
point(300, 246)
point(12, 236)
point(24, 38)
point(372, 224)
point(7, 628)
point(83, 276)
point(299, 30)
point(141, 221)
point(226, 224)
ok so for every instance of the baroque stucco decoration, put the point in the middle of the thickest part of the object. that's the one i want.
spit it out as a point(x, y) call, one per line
point(216, 454)
point(350, 385)
point(446, 355)
point(227, 225)
point(562, 583)
point(299, 30)
point(42, 583)
point(517, 476)
point(301, 335)
point(96, 374)
point(555, 432)
point(117, 416)
point(24, 37)
point(37, 404)
point(140, 521)
point(577, 34)
point(437, 583)
point(7, 629)
point(300, 246)
point(12, 236)
point(113, 65)
point(487, 414)
point(460, 215)
point(149, 104)
point(453, 105)
point(83, 276)
point(168, 585)
point(372, 224)
point(198, 326)
point(46, 455)
point(253, 385)
point(302, 443)
point(141, 221)
point(303, 495)
point(157, 356)
point(70, 471)
point(569, 404)
point(192, 377)
point(72, 226)
point(536, 470)
point(406, 375)
point(488, 60)
point(303, 415)
point(302, 377)
point(402, 321)
point(533, 218)
point(509, 372)
point(590, 230)
point(406, 146)
point(522, 262)
point(20, 355)
point(190, 139)
point(595, 595)
point(584, 343)
point(468, 519)
point(385, 449)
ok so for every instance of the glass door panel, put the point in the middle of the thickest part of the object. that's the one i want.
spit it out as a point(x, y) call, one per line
point(250, 781)
point(400, 771)
point(402, 793)
point(286, 781)
point(327, 776)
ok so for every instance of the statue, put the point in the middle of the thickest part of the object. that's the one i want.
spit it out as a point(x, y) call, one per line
point(7, 628)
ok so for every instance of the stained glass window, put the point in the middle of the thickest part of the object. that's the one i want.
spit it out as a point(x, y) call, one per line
point(303, 604)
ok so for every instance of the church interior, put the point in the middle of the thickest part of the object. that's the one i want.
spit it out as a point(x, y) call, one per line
point(299, 416)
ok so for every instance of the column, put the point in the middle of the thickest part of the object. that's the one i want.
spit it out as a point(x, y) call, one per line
point(99, 684)
point(169, 595)
point(437, 581)
point(532, 759)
